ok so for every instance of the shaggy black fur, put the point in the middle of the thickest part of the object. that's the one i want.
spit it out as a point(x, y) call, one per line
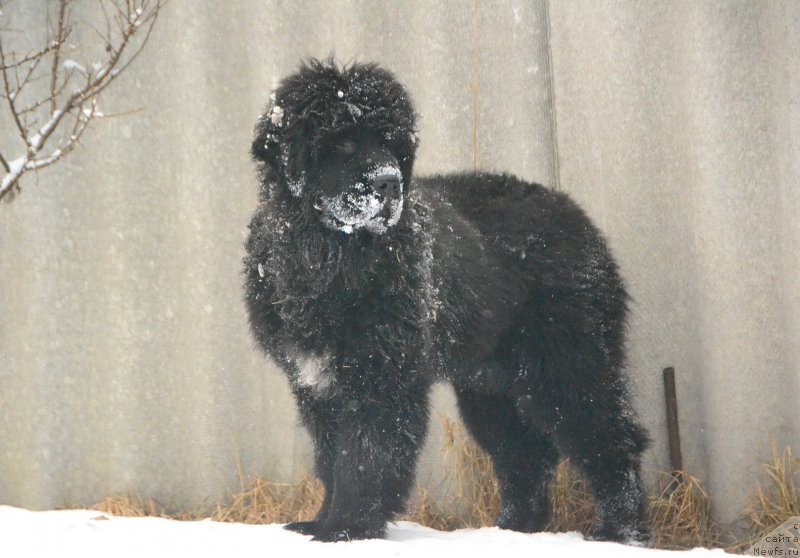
point(367, 286)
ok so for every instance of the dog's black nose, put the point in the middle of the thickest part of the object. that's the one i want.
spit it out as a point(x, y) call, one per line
point(387, 185)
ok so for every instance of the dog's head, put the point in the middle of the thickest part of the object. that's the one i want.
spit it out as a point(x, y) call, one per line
point(341, 141)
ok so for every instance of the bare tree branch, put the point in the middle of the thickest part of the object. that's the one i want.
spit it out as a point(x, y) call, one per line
point(57, 112)
point(10, 94)
point(59, 39)
point(81, 123)
point(29, 57)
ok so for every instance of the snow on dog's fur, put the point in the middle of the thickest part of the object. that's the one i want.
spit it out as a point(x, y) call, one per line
point(367, 285)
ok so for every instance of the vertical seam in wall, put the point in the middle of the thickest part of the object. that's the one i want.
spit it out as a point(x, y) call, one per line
point(473, 83)
point(690, 86)
point(555, 163)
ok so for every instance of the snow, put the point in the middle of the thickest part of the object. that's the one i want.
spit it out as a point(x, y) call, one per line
point(36, 142)
point(72, 65)
point(276, 115)
point(55, 118)
point(296, 186)
point(4, 183)
point(91, 113)
point(313, 372)
point(16, 167)
point(360, 206)
point(384, 170)
point(89, 534)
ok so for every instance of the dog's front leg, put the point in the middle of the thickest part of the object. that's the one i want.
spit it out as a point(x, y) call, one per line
point(378, 438)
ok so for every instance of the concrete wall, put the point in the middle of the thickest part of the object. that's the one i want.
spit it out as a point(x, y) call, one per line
point(125, 360)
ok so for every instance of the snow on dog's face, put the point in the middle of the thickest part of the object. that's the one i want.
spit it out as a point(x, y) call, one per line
point(340, 141)
point(363, 207)
point(359, 185)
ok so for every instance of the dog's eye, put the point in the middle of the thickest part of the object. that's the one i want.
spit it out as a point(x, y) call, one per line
point(346, 147)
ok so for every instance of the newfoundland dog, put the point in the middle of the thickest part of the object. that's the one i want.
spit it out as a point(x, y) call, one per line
point(367, 285)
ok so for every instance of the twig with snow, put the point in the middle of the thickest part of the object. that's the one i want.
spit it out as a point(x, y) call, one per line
point(52, 104)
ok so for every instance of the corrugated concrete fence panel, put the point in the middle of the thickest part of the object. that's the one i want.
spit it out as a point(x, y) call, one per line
point(678, 128)
point(124, 364)
point(619, 104)
point(125, 360)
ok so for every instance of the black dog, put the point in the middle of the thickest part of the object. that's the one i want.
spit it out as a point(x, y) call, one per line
point(367, 285)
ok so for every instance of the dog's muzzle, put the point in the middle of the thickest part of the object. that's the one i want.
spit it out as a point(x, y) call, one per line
point(374, 204)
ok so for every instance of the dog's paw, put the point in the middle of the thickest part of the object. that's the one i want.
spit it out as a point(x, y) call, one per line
point(520, 524)
point(303, 527)
point(640, 535)
point(345, 534)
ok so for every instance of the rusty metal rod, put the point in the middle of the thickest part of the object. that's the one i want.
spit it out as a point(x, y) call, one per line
point(673, 431)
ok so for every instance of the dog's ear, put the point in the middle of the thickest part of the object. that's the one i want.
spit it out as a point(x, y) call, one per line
point(267, 136)
point(260, 148)
point(266, 149)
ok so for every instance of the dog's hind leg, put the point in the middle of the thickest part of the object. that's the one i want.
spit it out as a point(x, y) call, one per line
point(377, 440)
point(606, 443)
point(523, 458)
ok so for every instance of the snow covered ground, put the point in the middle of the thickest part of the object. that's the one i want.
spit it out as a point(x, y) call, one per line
point(88, 534)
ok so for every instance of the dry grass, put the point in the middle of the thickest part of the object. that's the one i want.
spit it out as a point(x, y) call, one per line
point(680, 511)
point(573, 506)
point(130, 506)
point(680, 514)
point(476, 495)
point(428, 511)
point(470, 469)
point(273, 502)
point(264, 502)
point(472, 493)
point(771, 506)
point(680, 507)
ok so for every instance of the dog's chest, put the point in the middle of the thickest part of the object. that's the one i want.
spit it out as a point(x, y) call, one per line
point(335, 307)
point(326, 313)
point(338, 295)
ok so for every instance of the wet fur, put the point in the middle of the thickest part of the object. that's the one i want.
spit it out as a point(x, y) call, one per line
point(501, 287)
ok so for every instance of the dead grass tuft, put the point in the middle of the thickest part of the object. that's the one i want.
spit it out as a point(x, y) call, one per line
point(680, 513)
point(477, 496)
point(571, 498)
point(273, 502)
point(771, 506)
point(134, 506)
point(470, 468)
point(129, 506)
point(426, 510)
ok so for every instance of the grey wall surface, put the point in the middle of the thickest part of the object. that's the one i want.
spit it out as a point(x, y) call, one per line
point(125, 359)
